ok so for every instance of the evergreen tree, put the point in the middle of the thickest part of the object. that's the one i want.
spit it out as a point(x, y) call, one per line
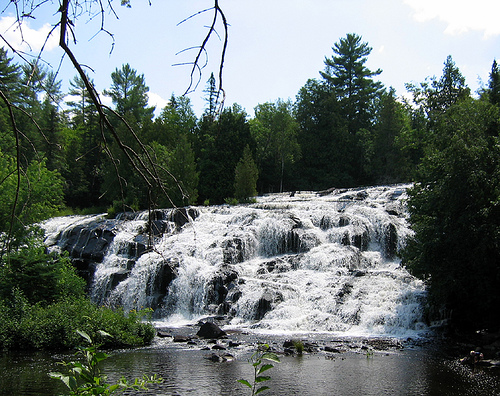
point(436, 96)
point(212, 97)
point(384, 147)
point(84, 156)
point(219, 146)
point(246, 174)
point(353, 81)
point(129, 94)
point(455, 214)
point(494, 84)
point(123, 182)
point(325, 142)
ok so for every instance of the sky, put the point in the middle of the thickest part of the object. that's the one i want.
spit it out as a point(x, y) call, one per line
point(274, 46)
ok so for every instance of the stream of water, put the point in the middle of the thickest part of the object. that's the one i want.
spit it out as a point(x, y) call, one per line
point(186, 370)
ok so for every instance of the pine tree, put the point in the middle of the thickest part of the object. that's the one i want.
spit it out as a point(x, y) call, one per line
point(246, 175)
point(494, 84)
point(352, 80)
point(129, 94)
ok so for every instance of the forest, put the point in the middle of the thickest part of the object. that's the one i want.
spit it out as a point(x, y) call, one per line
point(344, 129)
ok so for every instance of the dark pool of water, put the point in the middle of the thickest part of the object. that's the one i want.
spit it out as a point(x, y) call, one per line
point(186, 370)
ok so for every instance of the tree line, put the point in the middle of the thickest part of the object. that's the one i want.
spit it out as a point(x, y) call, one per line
point(344, 129)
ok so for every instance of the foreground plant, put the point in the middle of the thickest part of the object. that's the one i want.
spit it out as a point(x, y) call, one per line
point(84, 377)
point(257, 360)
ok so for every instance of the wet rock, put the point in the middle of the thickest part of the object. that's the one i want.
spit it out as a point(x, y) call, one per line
point(215, 358)
point(163, 334)
point(362, 195)
point(181, 338)
point(117, 277)
point(210, 330)
point(233, 251)
point(390, 241)
point(219, 347)
point(331, 349)
point(218, 288)
point(264, 305)
point(181, 216)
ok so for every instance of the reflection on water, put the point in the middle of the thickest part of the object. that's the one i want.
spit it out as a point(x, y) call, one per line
point(187, 371)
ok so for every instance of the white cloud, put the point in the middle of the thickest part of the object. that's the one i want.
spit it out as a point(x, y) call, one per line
point(24, 38)
point(460, 16)
point(156, 100)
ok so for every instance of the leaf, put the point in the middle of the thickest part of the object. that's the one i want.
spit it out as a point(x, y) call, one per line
point(262, 378)
point(245, 382)
point(262, 389)
point(85, 335)
point(99, 356)
point(61, 377)
point(264, 368)
point(271, 356)
point(104, 334)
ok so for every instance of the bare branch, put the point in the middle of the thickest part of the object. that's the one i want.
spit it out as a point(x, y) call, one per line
point(202, 49)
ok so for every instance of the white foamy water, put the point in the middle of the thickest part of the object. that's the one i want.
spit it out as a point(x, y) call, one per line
point(302, 263)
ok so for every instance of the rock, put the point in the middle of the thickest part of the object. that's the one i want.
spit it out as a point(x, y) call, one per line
point(163, 334)
point(219, 347)
point(215, 358)
point(263, 305)
point(210, 330)
point(180, 338)
point(331, 349)
point(181, 216)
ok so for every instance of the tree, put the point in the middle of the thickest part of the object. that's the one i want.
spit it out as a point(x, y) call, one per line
point(455, 213)
point(325, 142)
point(494, 84)
point(436, 96)
point(384, 145)
point(352, 80)
point(129, 94)
point(212, 97)
point(219, 145)
point(275, 132)
point(84, 149)
point(139, 160)
point(246, 174)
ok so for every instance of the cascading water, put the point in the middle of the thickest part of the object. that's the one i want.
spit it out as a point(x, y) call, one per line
point(290, 262)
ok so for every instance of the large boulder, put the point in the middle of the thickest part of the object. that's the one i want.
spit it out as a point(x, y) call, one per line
point(210, 330)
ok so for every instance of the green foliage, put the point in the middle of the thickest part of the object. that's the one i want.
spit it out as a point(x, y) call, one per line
point(37, 326)
point(246, 174)
point(35, 193)
point(455, 214)
point(275, 129)
point(258, 362)
point(84, 377)
point(42, 278)
point(299, 346)
point(219, 145)
point(42, 303)
point(231, 201)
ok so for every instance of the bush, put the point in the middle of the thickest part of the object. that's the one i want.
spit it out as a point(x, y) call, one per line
point(37, 326)
point(41, 277)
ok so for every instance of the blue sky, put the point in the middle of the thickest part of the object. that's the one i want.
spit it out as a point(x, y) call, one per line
point(275, 46)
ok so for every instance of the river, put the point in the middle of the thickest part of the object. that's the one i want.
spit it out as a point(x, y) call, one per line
point(401, 368)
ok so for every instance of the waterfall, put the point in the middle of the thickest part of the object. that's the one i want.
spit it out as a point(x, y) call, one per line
point(323, 262)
